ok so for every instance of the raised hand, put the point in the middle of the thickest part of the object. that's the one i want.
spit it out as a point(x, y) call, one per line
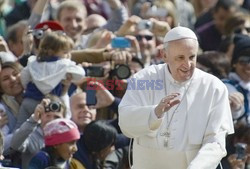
point(166, 103)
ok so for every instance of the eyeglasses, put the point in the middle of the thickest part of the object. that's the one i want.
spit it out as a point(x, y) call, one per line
point(147, 37)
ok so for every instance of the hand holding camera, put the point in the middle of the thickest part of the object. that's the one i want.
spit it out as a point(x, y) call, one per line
point(45, 106)
point(159, 28)
point(129, 27)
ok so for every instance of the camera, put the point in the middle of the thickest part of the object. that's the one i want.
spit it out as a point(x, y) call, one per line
point(53, 107)
point(94, 71)
point(121, 71)
point(38, 33)
point(145, 24)
point(240, 150)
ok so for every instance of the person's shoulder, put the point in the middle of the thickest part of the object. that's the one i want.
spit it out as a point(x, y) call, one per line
point(75, 164)
point(208, 78)
point(40, 160)
point(151, 70)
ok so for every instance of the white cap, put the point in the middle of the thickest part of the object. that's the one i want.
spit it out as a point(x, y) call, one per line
point(179, 32)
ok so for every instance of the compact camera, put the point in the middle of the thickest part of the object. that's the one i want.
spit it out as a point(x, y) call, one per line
point(145, 24)
point(38, 33)
point(53, 107)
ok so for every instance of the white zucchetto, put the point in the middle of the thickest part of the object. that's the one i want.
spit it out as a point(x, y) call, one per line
point(179, 32)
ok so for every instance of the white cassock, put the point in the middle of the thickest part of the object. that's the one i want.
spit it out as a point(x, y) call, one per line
point(198, 126)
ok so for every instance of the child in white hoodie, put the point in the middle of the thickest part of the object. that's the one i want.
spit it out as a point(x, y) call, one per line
point(45, 73)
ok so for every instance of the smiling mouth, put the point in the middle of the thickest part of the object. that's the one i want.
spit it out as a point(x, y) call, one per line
point(186, 71)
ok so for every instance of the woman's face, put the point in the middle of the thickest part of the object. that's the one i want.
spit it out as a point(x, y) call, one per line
point(66, 150)
point(10, 82)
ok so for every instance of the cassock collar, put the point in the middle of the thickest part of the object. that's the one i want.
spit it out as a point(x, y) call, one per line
point(173, 81)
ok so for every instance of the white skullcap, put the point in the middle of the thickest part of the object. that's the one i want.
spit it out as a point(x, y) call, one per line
point(179, 32)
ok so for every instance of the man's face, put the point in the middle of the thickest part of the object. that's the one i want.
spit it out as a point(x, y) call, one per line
point(17, 46)
point(181, 58)
point(73, 22)
point(146, 41)
point(81, 114)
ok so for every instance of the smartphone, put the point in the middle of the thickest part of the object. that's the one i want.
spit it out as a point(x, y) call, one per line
point(94, 71)
point(91, 97)
point(120, 42)
point(240, 150)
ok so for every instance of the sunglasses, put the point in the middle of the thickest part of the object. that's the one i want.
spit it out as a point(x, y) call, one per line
point(240, 30)
point(147, 37)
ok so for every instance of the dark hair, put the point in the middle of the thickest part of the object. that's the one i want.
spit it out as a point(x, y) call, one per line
point(225, 43)
point(242, 47)
point(217, 62)
point(225, 4)
point(134, 59)
point(98, 135)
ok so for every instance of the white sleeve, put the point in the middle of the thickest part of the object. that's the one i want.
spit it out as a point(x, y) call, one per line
point(211, 152)
point(219, 125)
point(77, 72)
point(136, 116)
point(25, 77)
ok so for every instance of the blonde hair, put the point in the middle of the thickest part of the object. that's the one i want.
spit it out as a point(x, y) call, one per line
point(52, 43)
point(170, 7)
point(73, 5)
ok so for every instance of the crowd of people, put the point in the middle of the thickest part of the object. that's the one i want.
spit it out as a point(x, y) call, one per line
point(125, 84)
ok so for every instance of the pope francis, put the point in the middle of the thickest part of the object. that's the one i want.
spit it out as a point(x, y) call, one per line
point(183, 123)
